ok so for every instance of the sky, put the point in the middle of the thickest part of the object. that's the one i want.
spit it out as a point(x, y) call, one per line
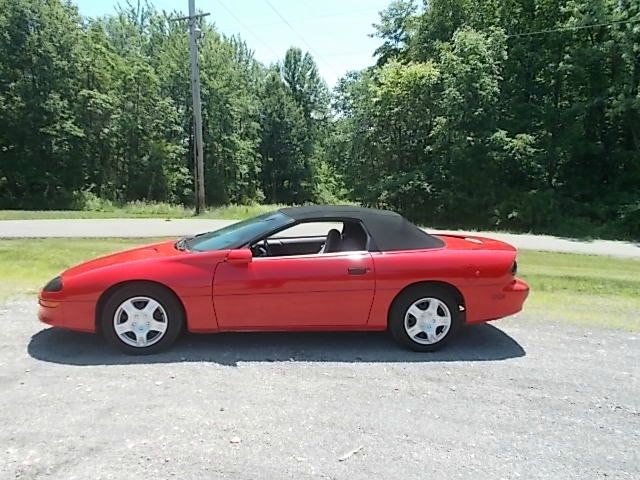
point(335, 32)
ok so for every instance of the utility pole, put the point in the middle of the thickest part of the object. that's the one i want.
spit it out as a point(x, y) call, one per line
point(194, 33)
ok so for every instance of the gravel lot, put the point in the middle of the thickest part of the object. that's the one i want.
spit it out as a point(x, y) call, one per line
point(519, 399)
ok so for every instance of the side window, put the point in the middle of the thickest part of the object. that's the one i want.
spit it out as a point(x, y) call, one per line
point(309, 230)
point(301, 239)
point(314, 238)
point(354, 237)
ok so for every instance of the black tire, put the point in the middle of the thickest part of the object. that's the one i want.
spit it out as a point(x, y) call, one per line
point(406, 299)
point(167, 300)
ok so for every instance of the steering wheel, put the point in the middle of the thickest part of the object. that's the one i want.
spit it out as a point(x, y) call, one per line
point(261, 249)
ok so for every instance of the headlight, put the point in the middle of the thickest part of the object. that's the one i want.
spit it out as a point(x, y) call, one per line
point(54, 285)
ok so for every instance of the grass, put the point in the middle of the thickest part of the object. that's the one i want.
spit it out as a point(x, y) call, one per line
point(26, 265)
point(141, 210)
point(578, 289)
point(582, 289)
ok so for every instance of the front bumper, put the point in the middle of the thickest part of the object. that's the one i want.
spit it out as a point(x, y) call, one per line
point(79, 316)
point(50, 312)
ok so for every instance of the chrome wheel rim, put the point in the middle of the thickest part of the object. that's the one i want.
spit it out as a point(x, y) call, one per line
point(140, 321)
point(427, 320)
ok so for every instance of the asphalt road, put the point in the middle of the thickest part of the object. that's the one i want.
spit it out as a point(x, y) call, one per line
point(176, 228)
point(517, 399)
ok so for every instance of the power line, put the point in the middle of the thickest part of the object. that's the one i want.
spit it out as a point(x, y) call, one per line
point(345, 13)
point(239, 22)
point(577, 27)
point(347, 53)
point(311, 49)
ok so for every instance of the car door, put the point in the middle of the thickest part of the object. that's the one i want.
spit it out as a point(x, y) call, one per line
point(333, 290)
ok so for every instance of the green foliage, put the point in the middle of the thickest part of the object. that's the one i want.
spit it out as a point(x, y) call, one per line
point(285, 146)
point(464, 124)
point(39, 134)
point(97, 112)
point(88, 201)
point(395, 29)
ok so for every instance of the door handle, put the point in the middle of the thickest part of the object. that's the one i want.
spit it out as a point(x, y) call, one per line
point(357, 270)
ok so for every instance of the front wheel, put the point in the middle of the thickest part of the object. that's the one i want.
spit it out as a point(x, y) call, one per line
point(141, 318)
point(424, 319)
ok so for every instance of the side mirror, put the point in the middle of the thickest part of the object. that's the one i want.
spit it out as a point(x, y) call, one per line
point(240, 256)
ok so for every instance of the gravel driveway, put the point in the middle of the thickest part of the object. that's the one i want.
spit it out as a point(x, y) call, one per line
point(517, 399)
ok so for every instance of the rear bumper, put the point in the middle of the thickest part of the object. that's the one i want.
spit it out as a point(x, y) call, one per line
point(492, 303)
point(70, 315)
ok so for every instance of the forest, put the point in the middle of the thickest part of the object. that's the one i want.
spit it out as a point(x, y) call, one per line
point(519, 115)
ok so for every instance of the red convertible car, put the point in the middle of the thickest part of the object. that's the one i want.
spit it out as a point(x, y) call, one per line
point(300, 268)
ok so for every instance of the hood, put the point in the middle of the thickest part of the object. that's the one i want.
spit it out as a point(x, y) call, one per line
point(155, 250)
point(472, 242)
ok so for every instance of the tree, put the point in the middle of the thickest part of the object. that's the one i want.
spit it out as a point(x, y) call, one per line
point(300, 74)
point(531, 124)
point(286, 169)
point(500, 113)
point(38, 127)
point(395, 29)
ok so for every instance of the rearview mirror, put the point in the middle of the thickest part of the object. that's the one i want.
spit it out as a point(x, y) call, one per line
point(240, 256)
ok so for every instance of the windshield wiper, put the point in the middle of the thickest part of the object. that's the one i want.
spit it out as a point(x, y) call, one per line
point(183, 243)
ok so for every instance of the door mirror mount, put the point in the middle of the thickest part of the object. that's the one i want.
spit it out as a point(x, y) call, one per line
point(240, 256)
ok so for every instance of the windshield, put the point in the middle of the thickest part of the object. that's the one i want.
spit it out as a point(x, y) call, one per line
point(238, 234)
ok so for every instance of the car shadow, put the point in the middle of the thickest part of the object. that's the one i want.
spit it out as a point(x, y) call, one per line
point(474, 343)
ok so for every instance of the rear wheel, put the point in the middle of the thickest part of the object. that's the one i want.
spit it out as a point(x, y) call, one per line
point(424, 318)
point(141, 318)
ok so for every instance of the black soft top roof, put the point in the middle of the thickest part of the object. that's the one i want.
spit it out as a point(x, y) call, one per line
point(389, 230)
